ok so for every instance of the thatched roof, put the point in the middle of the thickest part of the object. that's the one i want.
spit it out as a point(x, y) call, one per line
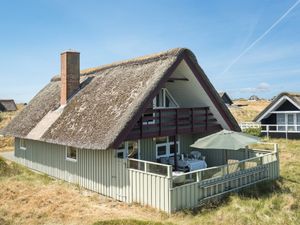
point(7, 105)
point(295, 97)
point(109, 99)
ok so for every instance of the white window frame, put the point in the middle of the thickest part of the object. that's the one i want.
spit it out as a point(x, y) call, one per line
point(276, 105)
point(71, 159)
point(125, 150)
point(23, 144)
point(165, 91)
point(168, 149)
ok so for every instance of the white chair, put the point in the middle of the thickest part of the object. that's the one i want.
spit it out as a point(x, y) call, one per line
point(196, 154)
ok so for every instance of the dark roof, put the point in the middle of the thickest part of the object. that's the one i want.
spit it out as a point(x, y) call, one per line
point(110, 101)
point(226, 98)
point(253, 97)
point(292, 95)
point(7, 105)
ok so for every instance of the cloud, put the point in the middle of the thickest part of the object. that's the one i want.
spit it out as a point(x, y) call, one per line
point(260, 88)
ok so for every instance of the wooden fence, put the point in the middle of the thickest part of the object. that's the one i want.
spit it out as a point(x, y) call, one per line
point(153, 184)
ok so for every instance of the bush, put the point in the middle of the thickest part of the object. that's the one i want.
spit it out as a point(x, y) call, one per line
point(1, 117)
point(253, 131)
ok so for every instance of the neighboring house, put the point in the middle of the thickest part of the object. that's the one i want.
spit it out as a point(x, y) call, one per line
point(227, 100)
point(253, 98)
point(282, 117)
point(114, 129)
point(7, 105)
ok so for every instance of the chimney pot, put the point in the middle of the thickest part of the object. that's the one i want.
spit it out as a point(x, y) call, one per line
point(70, 74)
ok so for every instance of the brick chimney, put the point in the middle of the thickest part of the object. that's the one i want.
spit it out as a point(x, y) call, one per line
point(70, 75)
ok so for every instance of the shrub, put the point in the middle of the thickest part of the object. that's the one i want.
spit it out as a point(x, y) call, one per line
point(253, 131)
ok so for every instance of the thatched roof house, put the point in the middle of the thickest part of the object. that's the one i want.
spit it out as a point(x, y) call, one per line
point(7, 105)
point(124, 129)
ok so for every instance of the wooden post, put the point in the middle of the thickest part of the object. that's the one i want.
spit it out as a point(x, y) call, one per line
point(277, 158)
point(199, 176)
point(159, 122)
point(141, 127)
point(192, 118)
point(175, 153)
point(176, 111)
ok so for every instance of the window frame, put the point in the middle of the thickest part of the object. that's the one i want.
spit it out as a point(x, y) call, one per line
point(125, 150)
point(71, 159)
point(168, 144)
point(165, 93)
point(23, 144)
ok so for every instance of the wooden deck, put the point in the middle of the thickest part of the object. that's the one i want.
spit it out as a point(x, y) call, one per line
point(197, 187)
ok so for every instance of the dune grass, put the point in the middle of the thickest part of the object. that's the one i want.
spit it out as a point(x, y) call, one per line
point(249, 110)
point(32, 198)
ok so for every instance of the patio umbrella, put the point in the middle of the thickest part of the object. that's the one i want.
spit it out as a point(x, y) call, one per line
point(225, 139)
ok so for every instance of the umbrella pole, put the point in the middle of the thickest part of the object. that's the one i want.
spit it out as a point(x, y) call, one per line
point(175, 153)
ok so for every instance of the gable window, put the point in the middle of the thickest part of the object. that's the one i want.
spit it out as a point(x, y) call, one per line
point(22, 144)
point(71, 154)
point(165, 147)
point(164, 100)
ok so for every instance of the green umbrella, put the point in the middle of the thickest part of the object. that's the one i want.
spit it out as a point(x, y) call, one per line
point(225, 140)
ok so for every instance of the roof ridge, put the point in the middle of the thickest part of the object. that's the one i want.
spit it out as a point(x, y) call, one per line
point(137, 60)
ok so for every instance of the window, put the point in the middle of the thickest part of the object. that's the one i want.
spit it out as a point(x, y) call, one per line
point(280, 121)
point(164, 100)
point(291, 122)
point(71, 154)
point(165, 147)
point(128, 149)
point(121, 151)
point(22, 144)
point(298, 121)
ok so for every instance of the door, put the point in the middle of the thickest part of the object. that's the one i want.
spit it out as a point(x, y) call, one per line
point(120, 179)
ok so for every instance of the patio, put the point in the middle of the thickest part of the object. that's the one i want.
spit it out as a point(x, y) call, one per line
point(155, 181)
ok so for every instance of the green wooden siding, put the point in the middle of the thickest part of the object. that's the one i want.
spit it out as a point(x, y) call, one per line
point(147, 147)
point(97, 170)
point(102, 172)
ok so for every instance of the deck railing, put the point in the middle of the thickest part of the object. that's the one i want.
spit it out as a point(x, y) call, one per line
point(247, 125)
point(172, 121)
point(277, 128)
point(150, 167)
point(154, 184)
point(264, 156)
